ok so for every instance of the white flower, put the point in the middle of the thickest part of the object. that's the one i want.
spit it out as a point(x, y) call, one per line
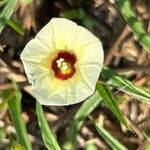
point(63, 63)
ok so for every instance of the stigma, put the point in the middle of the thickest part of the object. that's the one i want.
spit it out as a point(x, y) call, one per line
point(63, 65)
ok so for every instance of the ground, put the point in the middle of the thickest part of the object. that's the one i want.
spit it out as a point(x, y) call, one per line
point(123, 53)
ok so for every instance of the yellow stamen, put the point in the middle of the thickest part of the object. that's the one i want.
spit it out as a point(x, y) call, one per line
point(62, 65)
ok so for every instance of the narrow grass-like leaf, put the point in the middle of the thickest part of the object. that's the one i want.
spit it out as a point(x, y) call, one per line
point(109, 139)
point(87, 107)
point(27, 1)
point(3, 2)
point(125, 85)
point(70, 14)
point(4, 103)
point(14, 105)
point(80, 14)
point(108, 98)
point(136, 26)
point(6, 13)
point(2, 133)
point(17, 147)
point(16, 26)
point(90, 146)
point(147, 147)
point(47, 135)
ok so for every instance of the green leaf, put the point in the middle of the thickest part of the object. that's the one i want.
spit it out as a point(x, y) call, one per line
point(108, 98)
point(47, 135)
point(70, 14)
point(125, 85)
point(14, 104)
point(90, 146)
point(3, 2)
point(80, 14)
point(109, 139)
point(134, 23)
point(17, 147)
point(147, 147)
point(6, 13)
point(16, 26)
point(2, 133)
point(27, 1)
point(87, 107)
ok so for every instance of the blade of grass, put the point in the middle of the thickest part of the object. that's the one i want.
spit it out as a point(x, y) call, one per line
point(136, 25)
point(27, 1)
point(108, 98)
point(14, 105)
point(124, 85)
point(17, 147)
point(70, 14)
point(15, 26)
point(2, 133)
point(3, 104)
point(147, 147)
point(90, 146)
point(3, 2)
point(87, 107)
point(6, 13)
point(109, 139)
point(47, 135)
point(80, 14)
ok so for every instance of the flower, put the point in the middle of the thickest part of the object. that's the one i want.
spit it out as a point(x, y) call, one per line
point(63, 63)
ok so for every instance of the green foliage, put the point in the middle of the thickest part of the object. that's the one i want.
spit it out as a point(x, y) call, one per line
point(128, 14)
point(15, 26)
point(2, 134)
point(80, 14)
point(90, 146)
point(17, 147)
point(111, 141)
point(103, 92)
point(108, 98)
point(125, 85)
point(3, 2)
point(134, 23)
point(27, 1)
point(7, 11)
point(70, 14)
point(47, 135)
point(14, 105)
point(147, 147)
point(87, 107)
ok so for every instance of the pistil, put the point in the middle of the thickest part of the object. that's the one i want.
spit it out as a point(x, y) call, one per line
point(64, 65)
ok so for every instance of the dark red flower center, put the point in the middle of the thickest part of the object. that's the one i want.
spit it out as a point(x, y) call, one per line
point(63, 65)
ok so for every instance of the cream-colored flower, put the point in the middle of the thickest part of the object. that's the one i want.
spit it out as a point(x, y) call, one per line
point(63, 63)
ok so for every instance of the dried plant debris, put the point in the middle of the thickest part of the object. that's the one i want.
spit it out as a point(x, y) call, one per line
point(123, 53)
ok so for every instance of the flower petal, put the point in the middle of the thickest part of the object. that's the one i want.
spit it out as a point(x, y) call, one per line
point(46, 36)
point(65, 94)
point(91, 54)
point(90, 74)
point(35, 52)
point(78, 91)
point(83, 38)
point(64, 33)
point(38, 56)
point(50, 92)
point(55, 92)
point(58, 97)
point(33, 71)
point(59, 33)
